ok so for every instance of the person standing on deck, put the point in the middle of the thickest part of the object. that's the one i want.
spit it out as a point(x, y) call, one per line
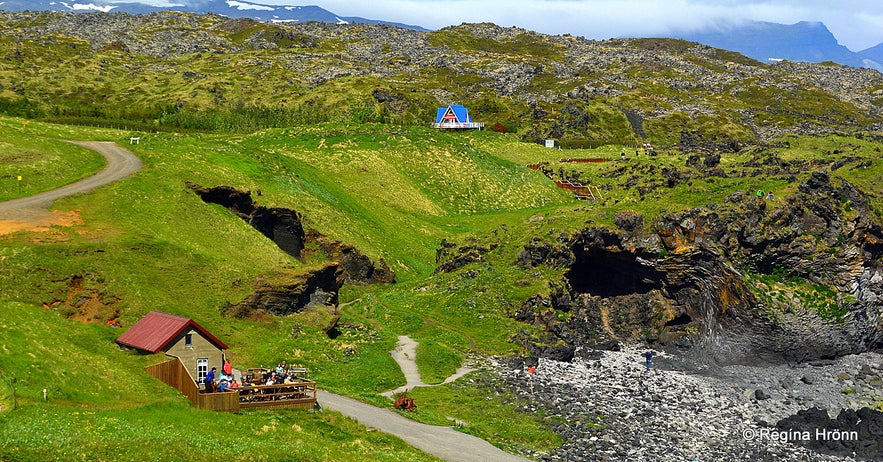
point(209, 381)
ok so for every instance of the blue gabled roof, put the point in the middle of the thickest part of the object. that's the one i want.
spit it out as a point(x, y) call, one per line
point(460, 112)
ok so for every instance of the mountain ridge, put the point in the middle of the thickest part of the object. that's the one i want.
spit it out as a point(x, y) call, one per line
point(808, 41)
point(228, 8)
point(629, 91)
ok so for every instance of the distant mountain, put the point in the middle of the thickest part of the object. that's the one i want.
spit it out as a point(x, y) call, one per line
point(803, 41)
point(874, 54)
point(763, 41)
point(228, 8)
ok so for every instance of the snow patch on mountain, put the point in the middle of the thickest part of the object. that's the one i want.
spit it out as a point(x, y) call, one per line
point(249, 6)
point(87, 7)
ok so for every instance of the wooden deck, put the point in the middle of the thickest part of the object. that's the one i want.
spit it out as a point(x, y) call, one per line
point(459, 125)
point(300, 394)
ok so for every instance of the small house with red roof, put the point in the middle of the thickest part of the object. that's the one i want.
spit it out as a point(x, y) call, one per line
point(455, 116)
point(178, 337)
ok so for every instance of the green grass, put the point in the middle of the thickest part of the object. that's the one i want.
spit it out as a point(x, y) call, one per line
point(41, 163)
point(352, 154)
point(103, 406)
point(148, 242)
point(193, 259)
point(174, 432)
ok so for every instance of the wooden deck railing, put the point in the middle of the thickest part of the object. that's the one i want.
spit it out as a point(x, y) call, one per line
point(301, 394)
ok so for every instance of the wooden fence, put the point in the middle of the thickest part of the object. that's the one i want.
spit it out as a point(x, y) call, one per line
point(174, 374)
point(301, 394)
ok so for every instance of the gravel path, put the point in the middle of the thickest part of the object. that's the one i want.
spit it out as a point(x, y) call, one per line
point(443, 442)
point(405, 355)
point(32, 211)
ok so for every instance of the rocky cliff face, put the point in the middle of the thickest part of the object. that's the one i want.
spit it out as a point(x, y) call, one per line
point(288, 293)
point(752, 279)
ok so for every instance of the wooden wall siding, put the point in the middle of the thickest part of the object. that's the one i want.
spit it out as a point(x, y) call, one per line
point(174, 374)
point(300, 394)
point(307, 403)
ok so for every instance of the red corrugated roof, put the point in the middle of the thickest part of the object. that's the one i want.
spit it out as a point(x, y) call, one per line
point(157, 329)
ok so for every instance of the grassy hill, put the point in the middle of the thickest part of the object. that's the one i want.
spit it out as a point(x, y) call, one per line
point(148, 242)
point(304, 120)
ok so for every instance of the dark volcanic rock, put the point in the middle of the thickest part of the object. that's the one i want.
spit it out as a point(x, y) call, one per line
point(608, 407)
point(285, 228)
point(856, 433)
point(282, 226)
point(284, 297)
point(628, 220)
point(449, 257)
point(700, 279)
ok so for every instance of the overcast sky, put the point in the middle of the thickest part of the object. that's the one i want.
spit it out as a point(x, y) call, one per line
point(857, 24)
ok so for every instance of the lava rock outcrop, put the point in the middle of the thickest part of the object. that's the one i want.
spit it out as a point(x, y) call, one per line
point(784, 280)
point(290, 294)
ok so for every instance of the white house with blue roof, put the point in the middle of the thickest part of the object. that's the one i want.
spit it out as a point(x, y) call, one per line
point(455, 116)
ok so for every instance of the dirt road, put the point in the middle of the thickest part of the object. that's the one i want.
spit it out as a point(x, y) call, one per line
point(405, 355)
point(443, 442)
point(32, 212)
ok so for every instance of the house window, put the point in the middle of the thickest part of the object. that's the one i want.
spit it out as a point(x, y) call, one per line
point(201, 369)
point(188, 340)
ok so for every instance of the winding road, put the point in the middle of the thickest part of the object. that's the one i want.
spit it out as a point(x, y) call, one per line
point(444, 442)
point(33, 211)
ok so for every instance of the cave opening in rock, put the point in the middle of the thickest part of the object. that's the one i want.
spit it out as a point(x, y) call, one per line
point(680, 321)
point(333, 333)
point(608, 273)
point(282, 226)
